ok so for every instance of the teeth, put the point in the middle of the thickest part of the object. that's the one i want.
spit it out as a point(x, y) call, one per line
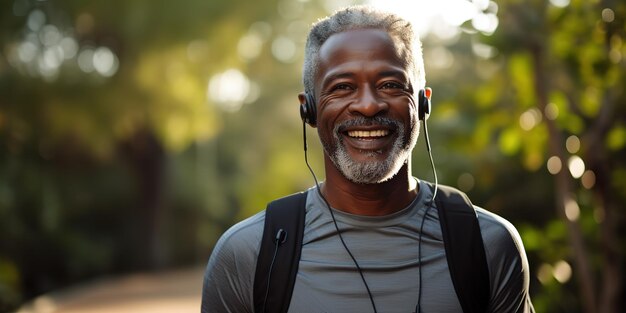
point(368, 133)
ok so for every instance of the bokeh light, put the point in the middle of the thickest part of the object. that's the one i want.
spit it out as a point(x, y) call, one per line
point(229, 89)
point(284, 49)
point(588, 179)
point(608, 15)
point(572, 144)
point(551, 111)
point(562, 271)
point(559, 3)
point(554, 165)
point(429, 16)
point(544, 273)
point(572, 210)
point(105, 61)
point(529, 119)
point(576, 166)
point(249, 46)
point(466, 182)
point(46, 48)
point(440, 57)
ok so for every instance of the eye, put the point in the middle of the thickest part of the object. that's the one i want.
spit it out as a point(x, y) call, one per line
point(392, 85)
point(341, 86)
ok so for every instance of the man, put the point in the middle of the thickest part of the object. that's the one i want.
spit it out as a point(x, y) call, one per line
point(380, 248)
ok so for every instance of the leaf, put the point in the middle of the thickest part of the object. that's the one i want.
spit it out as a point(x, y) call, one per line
point(509, 141)
point(616, 138)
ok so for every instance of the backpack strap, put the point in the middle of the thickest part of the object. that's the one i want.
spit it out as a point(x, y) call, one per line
point(463, 243)
point(279, 255)
point(465, 250)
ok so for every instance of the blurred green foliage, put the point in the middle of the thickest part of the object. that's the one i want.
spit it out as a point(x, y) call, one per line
point(139, 161)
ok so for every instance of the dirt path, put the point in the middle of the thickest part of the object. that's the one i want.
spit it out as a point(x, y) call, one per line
point(175, 291)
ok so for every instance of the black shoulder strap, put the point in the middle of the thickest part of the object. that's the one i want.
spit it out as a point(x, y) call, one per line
point(279, 255)
point(465, 250)
point(466, 261)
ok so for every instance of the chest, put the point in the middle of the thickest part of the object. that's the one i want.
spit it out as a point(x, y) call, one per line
point(328, 280)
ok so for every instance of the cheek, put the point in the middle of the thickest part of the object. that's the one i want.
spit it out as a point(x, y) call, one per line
point(407, 112)
point(413, 116)
point(327, 117)
point(325, 130)
point(412, 111)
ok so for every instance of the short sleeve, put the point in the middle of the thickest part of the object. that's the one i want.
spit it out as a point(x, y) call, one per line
point(229, 275)
point(508, 265)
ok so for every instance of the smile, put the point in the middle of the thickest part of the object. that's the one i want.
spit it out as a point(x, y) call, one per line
point(365, 134)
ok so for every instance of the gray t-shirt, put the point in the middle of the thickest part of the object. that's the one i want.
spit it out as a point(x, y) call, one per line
point(386, 248)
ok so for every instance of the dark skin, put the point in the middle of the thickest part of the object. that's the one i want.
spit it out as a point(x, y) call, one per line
point(359, 74)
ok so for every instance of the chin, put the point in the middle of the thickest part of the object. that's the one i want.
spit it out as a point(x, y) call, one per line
point(375, 169)
point(372, 172)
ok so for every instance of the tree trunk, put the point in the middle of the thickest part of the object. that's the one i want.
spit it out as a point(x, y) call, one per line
point(147, 159)
point(564, 191)
point(612, 257)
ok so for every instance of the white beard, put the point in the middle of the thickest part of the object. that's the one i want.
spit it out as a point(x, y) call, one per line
point(372, 172)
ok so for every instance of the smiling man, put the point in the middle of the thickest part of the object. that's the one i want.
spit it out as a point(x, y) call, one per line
point(373, 238)
point(367, 121)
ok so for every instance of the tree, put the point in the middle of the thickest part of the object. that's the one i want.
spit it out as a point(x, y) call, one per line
point(554, 100)
point(113, 156)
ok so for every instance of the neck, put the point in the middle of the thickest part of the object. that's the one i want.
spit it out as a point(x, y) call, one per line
point(369, 199)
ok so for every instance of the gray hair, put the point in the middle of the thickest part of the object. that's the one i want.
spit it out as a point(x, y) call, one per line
point(399, 29)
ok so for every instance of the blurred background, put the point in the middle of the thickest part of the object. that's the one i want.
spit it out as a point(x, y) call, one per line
point(133, 133)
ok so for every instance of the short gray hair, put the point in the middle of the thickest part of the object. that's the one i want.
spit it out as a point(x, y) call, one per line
point(399, 29)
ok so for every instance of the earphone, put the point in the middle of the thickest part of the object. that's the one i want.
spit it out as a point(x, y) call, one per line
point(308, 109)
point(423, 104)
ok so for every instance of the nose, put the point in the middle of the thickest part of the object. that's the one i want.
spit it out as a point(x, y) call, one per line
point(368, 104)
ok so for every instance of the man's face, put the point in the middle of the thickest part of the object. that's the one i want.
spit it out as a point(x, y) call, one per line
point(367, 118)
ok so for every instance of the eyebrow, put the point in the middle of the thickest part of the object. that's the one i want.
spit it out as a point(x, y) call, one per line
point(395, 73)
point(391, 72)
point(336, 76)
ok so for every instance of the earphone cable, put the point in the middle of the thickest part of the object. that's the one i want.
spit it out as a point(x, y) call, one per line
point(269, 276)
point(418, 308)
point(319, 191)
point(429, 205)
point(432, 162)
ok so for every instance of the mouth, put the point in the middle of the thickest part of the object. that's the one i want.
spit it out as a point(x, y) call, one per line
point(360, 135)
point(375, 139)
point(368, 134)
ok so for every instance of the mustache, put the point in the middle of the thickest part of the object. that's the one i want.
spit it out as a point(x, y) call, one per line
point(368, 121)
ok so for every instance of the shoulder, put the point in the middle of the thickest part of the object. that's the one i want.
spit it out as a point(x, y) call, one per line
point(501, 238)
point(243, 237)
point(507, 263)
point(236, 251)
point(229, 274)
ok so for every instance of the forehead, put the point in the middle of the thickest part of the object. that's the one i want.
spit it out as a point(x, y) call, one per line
point(358, 47)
